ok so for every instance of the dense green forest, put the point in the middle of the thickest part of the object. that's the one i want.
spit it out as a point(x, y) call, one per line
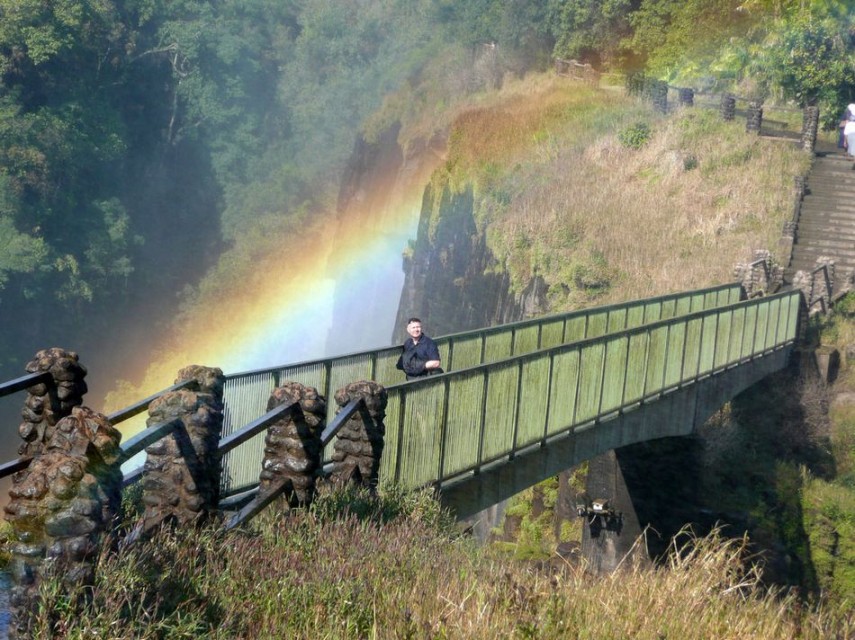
point(139, 139)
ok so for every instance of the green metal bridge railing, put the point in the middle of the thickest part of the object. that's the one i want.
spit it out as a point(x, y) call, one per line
point(530, 382)
point(457, 423)
point(246, 394)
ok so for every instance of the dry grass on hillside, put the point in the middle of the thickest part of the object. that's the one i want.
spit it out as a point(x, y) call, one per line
point(563, 198)
point(396, 571)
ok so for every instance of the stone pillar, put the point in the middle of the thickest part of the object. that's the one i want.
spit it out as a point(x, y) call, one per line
point(728, 107)
point(755, 117)
point(810, 124)
point(357, 451)
point(687, 97)
point(803, 282)
point(62, 507)
point(181, 476)
point(659, 96)
point(635, 83)
point(826, 290)
point(48, 403)
point(292, 448)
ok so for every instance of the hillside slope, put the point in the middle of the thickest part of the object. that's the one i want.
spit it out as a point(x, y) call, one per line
point(562, 196)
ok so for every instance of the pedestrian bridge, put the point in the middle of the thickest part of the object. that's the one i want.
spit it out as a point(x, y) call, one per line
point(523, 401)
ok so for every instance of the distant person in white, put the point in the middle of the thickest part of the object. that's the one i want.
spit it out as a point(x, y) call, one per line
point(849, 130)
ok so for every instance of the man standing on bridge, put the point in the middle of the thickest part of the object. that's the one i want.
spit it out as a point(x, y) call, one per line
point(419, 355)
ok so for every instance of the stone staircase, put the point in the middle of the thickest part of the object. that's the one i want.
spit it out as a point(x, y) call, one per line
point(826, 224)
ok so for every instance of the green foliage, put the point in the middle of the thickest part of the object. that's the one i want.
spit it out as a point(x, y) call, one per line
point(810, 58)
point(830, 522)
point(846, 306)
point(672, 33)
point(635, 136)
point(589, 30)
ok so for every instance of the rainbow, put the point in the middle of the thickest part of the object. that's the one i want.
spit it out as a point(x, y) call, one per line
point(334, 289)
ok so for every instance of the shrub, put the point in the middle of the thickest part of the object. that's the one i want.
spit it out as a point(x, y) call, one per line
point(635, 136)
point(846, 305)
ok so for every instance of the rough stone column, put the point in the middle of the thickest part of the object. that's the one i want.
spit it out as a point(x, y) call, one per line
point(62, 507)
point(826, 293)
point(635, 83)
point(728, 107)
point(48, 403)
point(758, 277)
point(292, 447)
point(181, 476)
point(755, 117)
point(687, 97)
point(803, 281)
point(357, 451)
point(810, 124)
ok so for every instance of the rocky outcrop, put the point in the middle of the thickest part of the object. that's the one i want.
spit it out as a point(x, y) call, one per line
point(452, 280)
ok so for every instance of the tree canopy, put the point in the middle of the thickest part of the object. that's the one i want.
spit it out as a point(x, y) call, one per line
point(133, 129)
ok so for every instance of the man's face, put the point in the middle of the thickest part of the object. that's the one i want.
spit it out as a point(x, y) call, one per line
point(415, 330)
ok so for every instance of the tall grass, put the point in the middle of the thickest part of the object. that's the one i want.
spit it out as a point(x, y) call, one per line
point(561, 197)
point(352, 567)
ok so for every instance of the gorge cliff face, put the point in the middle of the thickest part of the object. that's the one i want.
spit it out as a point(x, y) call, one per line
point(452, 281)
point(450, 278)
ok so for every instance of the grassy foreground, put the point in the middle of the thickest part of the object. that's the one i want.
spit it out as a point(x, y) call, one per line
point(396, 567)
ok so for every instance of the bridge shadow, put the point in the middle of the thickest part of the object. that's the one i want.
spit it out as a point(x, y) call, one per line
point(742, 472)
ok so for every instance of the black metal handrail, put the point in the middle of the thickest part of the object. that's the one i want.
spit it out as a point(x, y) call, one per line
point(24, 382)
point(13, 466)
point(145, 438)
point(254, 428)
point(261, 500)
point(138, 407)
point(341, 417)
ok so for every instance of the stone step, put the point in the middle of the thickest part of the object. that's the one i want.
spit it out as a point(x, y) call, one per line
point(831, 174)
point(840, 247)
point(830, 183)
point(845, 249)
point(836, 164)
point(814, 235)
point(839, 270)
point(835, 186)
point(808, 263)
point(811, 212)
point(807, 234)
point(825, 224)
point(826, 205)
point(833, 163)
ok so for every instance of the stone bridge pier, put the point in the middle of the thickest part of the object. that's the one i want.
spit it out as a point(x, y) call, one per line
point(645, 493)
